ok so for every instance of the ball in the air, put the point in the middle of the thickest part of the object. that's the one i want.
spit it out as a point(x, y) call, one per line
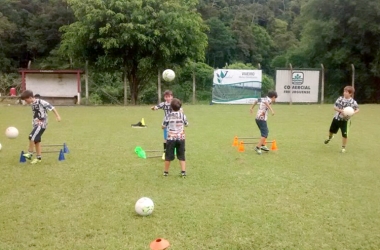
point(168, 75)
point(144, 206)
point(348, 111)
point(11, 132)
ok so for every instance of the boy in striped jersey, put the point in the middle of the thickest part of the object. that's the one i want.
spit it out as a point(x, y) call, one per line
point(340, 121)
point(40, 121)
point(175, 122)
point(168, 96)
point(261, 119)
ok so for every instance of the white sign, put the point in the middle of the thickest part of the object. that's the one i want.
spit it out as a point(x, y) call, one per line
point(302, 87)
point(233, 86)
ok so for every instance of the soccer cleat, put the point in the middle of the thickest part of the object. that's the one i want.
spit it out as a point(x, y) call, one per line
point(183, 174)
point(328, 140)
point(264, 148)
point(165, 174)
point(343, 150)
point(35, 161)
point(138, 125)
point(28, 156)
point(258, 150)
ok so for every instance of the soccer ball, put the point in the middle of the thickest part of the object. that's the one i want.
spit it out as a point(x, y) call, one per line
point(348, 111)
point(144, 206)
point(168, 75)
point(11, 132)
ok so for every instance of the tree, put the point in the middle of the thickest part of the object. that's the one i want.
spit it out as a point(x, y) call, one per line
point(339, 33)
point(139, 37)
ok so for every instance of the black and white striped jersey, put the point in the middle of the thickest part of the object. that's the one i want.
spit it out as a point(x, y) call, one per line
point(341, 103)
point(175, 124)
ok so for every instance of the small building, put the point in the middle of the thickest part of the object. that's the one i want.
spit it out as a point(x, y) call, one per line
point(59, 87)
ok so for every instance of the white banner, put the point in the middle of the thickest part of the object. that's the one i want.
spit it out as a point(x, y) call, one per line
point(302, 87)
point(233, 86)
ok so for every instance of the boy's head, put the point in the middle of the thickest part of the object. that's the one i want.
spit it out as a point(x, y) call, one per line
point(175, 104)
point(272, 95)
point(37, 96)
point(168, 96)
point(27, 96)
point(348, 92)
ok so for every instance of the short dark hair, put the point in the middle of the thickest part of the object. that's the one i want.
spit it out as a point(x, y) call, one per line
point(37, 95)
point(26, 94)
point(168, 92)
point(272, 94)
point(175, 104)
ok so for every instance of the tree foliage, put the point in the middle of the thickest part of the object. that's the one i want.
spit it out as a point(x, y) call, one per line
point(136, 36)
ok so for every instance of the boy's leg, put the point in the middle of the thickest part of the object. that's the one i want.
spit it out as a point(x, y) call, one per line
point(264, 131)
point(334, 127)
point(36, 137)
point(169, 155)
point(180, 149)
point(344, 130)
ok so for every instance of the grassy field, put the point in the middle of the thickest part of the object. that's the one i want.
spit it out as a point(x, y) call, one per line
point(305, 195)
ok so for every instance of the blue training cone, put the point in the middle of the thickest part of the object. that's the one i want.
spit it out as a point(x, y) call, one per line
point(65, 148)
point(22, 157)
point(61, 156)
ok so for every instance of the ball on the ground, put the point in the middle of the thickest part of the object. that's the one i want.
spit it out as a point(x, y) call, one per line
point(168, 75)
point(144, 206)
point(11, 132)
point(348, 111)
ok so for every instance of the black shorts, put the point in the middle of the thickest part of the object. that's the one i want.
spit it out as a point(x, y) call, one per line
point(36, 134)
point(339, 124)
point(263, 127)
point(173, 146)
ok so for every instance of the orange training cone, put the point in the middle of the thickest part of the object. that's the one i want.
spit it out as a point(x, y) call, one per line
point(235, 143)
point(241, 147)
point(274, 145)
point(159, 244)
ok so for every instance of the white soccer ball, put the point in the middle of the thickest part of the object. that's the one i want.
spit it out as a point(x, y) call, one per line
point(348, 111)
point(168, 75)
point(144, 206)
point(11, 132)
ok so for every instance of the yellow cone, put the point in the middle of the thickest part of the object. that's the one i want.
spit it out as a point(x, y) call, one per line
point(142, 122)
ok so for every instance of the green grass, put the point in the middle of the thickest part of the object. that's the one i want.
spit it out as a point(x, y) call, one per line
point(305, 195)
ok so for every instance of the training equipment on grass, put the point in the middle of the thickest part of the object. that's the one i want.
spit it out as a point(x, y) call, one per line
point(140, 124)
point(144, 206)
point(348, 111)
point(11, 132)
point(240, 144)
point(0, 146)
point(141, 153)
point(61, 152)
point(159, 244)
point(168, 75)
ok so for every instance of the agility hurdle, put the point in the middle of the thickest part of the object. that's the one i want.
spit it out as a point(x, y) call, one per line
point(61, 155)
point(141, 153)
point(240, 144)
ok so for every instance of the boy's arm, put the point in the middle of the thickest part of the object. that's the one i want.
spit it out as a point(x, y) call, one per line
point(269, 107)
point(159, 106)
point(57, 117)
point(185, 120)
point(253, 105)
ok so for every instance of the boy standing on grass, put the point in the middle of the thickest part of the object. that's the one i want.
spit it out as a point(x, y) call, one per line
point(175, 122)
point(168, 96)
point(261, 119)
point(340, 121)
point(40, 121)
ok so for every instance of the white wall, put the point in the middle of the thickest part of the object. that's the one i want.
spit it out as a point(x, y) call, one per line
point(303, 87)
point(55, 85)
